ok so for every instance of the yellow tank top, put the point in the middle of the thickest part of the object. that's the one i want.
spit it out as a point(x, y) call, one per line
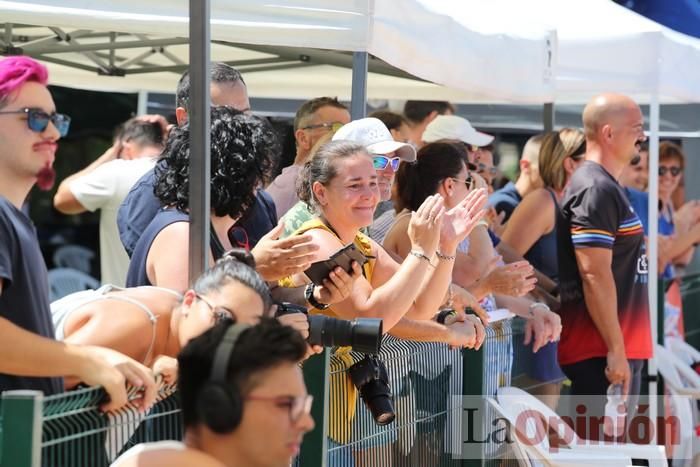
point(342, 408)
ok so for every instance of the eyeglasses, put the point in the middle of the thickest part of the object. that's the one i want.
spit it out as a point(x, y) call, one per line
point(483, 168)
point(675, 171)
point(469, 182)
point(221, 313)
point(332, 126)
point(38, 120)
point(381, 162)
point(298, 406)
point(238, 236)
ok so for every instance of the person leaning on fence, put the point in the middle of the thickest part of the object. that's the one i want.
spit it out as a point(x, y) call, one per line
point(340, 184)
point(152, 324)
point(244, 401)
point(31, 358)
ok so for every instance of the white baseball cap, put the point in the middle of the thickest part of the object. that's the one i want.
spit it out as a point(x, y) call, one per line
point(454, 127)
point(376, 137)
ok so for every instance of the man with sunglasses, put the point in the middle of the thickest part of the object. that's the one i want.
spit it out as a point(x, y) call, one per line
point(31, 359)
point(244, 401)
point(314, 119)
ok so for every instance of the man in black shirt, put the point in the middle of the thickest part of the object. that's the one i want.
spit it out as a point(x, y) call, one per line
point(31, 358)
point(602, 263)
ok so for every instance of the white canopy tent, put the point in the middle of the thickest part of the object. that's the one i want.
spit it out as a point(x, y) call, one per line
point(409, 35)
point(479, 51)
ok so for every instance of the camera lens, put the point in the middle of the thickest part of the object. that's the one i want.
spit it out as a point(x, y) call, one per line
point(362, 334)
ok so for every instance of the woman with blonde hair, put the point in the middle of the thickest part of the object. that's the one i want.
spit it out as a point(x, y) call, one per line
point(531, 232)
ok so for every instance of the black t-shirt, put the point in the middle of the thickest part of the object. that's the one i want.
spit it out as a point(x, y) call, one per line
point(25, 289)
point(596, 213)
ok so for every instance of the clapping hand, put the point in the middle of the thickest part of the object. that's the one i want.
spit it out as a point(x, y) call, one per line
point(458, 222)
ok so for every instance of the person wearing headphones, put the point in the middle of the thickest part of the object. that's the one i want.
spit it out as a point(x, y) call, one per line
point(244, 401)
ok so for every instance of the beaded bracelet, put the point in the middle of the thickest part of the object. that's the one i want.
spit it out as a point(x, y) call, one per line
point(445, 257)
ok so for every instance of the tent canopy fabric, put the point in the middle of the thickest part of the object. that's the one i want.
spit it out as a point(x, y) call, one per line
point(501, 51)
point(408, 35)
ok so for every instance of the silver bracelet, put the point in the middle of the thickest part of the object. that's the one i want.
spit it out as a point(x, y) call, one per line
point(421, 255)
point(445, 257)
point(531, 308)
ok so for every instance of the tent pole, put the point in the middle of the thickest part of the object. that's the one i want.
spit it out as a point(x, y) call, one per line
point(548, 116)
point(199, 119)
point(358, 105)
point(653, 252)
point(142, 103)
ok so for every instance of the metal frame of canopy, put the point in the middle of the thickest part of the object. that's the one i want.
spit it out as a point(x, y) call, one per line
point(98, 52)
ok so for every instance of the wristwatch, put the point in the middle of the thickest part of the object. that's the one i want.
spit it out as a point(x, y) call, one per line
point(309, 295)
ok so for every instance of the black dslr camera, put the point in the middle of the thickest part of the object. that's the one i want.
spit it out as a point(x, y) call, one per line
point(363, 335)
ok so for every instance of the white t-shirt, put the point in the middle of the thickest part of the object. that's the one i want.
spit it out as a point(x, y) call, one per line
point(105, 188)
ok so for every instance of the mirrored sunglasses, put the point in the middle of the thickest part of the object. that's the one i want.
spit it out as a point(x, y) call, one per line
point(483, 168)
point(38, 120)
point(381, 162)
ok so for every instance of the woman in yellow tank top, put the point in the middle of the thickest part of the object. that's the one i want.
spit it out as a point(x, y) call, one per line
point(340, 185)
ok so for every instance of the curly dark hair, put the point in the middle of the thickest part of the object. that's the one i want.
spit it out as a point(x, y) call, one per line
point(243, 150)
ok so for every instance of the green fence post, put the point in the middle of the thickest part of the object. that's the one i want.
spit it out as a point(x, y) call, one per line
point(21, 433)
point(473, 385)
point(314, 449)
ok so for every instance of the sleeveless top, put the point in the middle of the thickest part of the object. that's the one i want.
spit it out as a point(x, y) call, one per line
point(62, 308)
point(343, 392)
point(543, 253)
point(361, 241)
point(138, 272)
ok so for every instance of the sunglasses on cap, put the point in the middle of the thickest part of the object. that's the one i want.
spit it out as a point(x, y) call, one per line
point(332, 126)
point(38, 120)
point(675, 171)
point(381, 162)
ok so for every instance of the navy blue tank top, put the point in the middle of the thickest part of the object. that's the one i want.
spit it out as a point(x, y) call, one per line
point(543, 253)
point(137, 274)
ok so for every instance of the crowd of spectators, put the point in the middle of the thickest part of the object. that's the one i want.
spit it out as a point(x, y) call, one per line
point(562, 248)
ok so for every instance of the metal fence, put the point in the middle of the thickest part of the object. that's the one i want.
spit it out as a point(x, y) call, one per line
point(70, 430)
point(424, 378)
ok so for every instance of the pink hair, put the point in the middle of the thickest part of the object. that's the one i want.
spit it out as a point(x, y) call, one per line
point(15, 71)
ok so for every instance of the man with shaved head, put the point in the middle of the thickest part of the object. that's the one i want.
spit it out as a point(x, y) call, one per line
point(602, 262)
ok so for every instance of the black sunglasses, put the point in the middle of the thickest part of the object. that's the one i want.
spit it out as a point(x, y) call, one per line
point(675, 171)
point(238, 237)
point(38, 120)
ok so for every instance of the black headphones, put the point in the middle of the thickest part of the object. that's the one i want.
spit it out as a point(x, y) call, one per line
point(220, 405)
